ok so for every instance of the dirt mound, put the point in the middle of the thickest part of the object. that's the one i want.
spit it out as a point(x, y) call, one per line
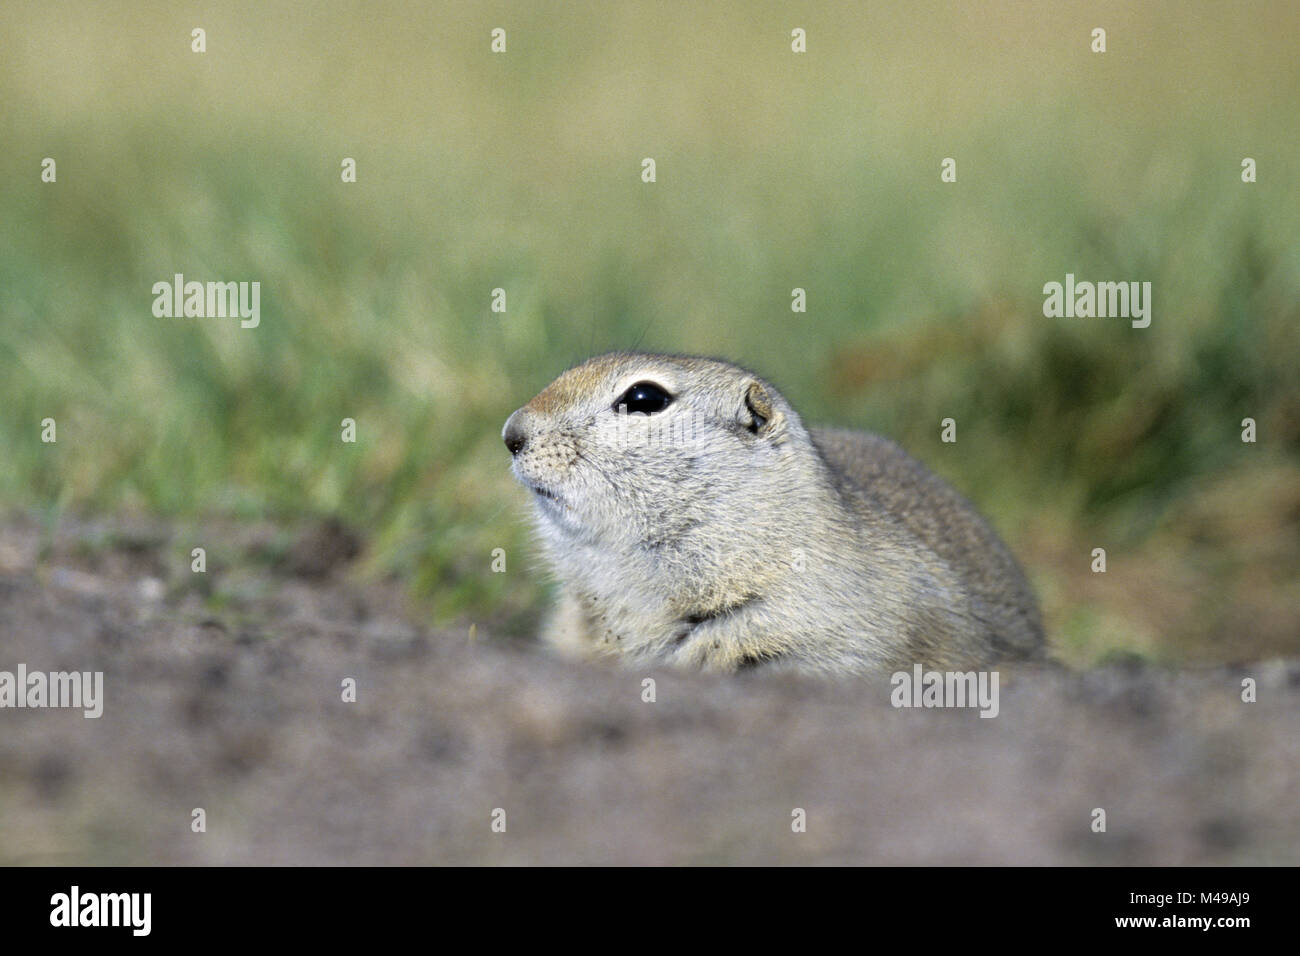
point(234, 704)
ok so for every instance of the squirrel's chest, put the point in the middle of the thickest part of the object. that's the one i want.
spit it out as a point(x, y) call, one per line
point(622, 607)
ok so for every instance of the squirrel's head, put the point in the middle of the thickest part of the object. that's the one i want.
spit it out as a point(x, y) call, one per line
point(639, 449)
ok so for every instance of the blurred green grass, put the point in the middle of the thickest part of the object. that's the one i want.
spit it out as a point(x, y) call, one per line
point(774, 171)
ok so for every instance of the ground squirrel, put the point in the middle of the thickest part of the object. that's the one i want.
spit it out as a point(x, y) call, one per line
point(693, 519)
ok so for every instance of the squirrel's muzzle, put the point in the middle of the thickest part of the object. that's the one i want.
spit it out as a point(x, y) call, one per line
point(514, 434)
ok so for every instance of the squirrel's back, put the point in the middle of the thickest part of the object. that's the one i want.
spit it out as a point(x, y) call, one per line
point(878, 476)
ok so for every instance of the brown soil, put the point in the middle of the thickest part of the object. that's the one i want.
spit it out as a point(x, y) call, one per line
point(223, 692)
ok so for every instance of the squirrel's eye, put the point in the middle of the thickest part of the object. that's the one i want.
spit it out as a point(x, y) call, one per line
point(645, 398)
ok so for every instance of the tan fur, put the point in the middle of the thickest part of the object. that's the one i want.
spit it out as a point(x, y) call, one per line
point(720, 533)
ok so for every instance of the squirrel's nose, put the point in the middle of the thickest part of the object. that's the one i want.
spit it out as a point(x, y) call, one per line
point(514, 435)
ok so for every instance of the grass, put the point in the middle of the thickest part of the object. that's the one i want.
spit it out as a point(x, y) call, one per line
point(774, 171)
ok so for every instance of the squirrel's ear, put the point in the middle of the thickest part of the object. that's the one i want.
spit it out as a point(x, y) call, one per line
point(760, 414)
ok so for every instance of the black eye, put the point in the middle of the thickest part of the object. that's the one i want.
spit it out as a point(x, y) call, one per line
point(645, 398)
